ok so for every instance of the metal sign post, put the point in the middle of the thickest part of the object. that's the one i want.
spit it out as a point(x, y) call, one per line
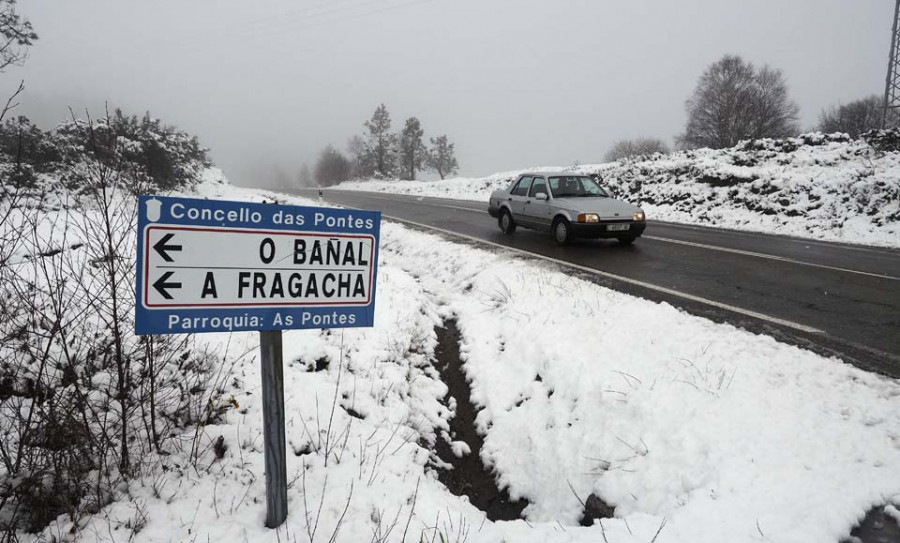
point(273, 427)
point(219, 266)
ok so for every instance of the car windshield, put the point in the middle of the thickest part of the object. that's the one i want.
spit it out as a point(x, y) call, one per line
point(576, 186)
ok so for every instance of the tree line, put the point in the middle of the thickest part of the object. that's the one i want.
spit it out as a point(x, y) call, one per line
point(159, 156)
point(735, 100)
point(382, 154)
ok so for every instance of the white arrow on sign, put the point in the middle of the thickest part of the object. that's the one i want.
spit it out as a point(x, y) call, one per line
point(192, 266)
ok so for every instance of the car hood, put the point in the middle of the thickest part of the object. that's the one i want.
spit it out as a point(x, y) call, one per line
point(607, 208)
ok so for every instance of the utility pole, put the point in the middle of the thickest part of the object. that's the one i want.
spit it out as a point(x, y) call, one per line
point(892, 82)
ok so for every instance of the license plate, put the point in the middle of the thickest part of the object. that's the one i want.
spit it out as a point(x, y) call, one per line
point(617, 227)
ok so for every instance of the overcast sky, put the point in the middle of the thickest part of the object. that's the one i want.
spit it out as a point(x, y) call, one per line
point(515, 83)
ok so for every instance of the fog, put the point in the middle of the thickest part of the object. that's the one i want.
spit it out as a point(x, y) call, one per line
point(514, 83)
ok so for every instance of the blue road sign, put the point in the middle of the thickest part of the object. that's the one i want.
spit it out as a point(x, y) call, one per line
point(222, 266)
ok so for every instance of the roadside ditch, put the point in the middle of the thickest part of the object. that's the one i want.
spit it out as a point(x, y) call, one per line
point(468, 475)
point(876, 527)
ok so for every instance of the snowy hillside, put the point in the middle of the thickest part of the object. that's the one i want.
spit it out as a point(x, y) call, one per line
point(826, 187)
point(706, 433)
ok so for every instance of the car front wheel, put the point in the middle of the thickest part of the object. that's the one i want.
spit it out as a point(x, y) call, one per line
point(562, 233)
point(507, 224)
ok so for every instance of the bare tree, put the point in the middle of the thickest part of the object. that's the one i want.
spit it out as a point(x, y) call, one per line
point(442, 157)
point(772, 112)
point(638, 147)
point(332, 167)
point(412, 150)
point(735, 101)
point(856, 117)
point(16, 34)
point(358, 153)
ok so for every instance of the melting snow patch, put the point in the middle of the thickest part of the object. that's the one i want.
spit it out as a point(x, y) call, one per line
point(892, 512)
point(460, 448)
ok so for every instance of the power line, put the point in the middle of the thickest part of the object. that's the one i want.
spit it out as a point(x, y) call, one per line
point(311, 11)
point(336, 20)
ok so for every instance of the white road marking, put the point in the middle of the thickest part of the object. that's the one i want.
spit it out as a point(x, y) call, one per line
point(843, 246)
point(770, 257)
point(692, 244)
point(420, 202)
point(650, 286)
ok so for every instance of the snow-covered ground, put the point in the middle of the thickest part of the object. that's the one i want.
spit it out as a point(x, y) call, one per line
point(701, 430)
point(824, 187)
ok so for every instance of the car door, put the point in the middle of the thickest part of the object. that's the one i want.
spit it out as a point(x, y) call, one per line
point(537, 211)
point(517, 197)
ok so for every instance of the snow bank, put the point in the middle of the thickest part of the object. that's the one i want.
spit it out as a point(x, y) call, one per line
point(662, 414)
point(826, 187)
point(709, 431)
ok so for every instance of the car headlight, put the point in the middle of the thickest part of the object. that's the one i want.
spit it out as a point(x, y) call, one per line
point(588, 217)
point(638, 216)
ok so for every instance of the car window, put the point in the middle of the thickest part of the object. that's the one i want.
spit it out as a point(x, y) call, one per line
point(576, 185)
point(521, 188)
point(539, 185)
point(554, 185)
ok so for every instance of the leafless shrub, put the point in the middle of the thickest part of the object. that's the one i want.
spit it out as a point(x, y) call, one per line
point(312, 519)
point(382, 530)
point(498, 296)
point(83, 401)
point(332, 167)
point(635, 148)
point(711, 380)
point(455, 532)
point(327, 440)
point(856, 117)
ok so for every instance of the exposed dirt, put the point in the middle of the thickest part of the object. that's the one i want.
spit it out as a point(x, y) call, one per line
point(595, 509)
point(469, 476)
point(876, 527)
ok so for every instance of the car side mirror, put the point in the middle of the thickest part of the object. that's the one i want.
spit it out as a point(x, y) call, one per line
point(541, 196)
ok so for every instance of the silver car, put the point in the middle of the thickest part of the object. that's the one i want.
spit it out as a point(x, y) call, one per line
point(568, 206)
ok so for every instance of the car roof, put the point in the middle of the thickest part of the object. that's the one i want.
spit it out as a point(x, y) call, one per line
point(552, 174)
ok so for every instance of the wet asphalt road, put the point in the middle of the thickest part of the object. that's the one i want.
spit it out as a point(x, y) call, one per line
point(835, 299)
